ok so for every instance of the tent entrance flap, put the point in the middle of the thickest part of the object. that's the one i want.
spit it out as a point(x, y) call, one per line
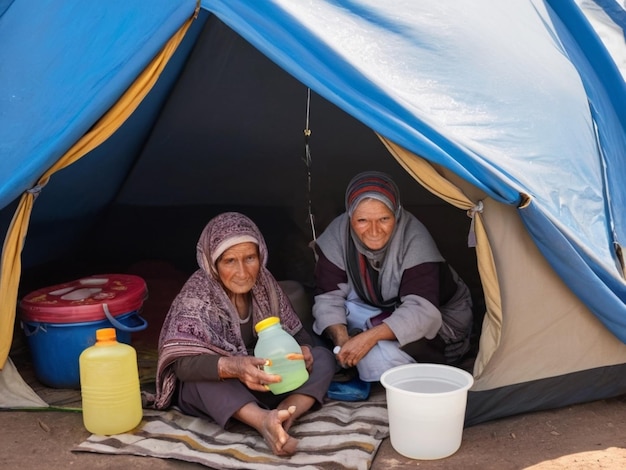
point(11, 268)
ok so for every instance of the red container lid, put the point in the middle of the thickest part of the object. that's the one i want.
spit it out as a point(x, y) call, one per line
point(84, 299)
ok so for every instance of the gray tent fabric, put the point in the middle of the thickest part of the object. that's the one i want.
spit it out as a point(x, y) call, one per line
point(15, 393)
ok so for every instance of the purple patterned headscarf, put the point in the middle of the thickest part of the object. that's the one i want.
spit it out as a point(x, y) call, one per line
point(223, 232)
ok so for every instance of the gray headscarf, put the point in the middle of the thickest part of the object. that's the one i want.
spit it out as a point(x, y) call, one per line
point(371, 185)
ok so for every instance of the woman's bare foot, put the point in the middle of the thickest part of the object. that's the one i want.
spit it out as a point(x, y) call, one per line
point(301, 404)
point(271, 425)
point(275, 434)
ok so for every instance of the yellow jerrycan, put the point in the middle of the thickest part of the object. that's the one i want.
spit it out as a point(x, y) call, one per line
point(109, 384)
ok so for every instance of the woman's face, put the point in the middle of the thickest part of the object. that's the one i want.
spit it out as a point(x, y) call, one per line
point(373, 222)
point(238, 267)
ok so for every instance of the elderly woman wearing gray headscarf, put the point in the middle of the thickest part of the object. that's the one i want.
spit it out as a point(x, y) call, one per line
point(384, 294)
point(206, 364)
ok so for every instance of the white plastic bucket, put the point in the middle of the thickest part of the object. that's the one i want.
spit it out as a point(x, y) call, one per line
point(426, 406)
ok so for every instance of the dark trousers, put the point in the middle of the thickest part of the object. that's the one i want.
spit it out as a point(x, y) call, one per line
point(427, 350)
point(220, 400)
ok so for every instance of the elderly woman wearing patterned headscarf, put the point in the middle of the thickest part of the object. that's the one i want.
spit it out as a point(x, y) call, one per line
point(384, 294)
point(206, 365)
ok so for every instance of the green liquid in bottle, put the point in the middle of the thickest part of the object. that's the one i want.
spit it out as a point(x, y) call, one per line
point(275, 344)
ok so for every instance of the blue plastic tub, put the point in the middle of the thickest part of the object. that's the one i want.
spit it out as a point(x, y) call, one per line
point(56, 347)
point(60, 322)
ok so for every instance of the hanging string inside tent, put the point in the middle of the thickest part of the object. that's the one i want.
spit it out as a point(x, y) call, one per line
point(307, 161)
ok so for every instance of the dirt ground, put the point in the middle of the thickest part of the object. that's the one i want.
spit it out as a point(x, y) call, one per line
point(586, 436)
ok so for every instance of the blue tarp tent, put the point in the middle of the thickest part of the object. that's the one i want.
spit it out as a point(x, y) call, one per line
point(515, 113)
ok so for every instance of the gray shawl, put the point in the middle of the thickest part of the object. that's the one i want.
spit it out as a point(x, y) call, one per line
point(411, 244)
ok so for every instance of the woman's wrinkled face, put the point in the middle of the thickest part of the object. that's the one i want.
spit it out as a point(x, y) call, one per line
point(373, 222)
point(238, 267)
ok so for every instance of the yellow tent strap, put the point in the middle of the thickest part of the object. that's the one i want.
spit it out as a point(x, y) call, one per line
point(437, 184)
point(11, 265)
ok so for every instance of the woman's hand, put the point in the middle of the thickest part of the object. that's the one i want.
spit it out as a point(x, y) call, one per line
point(248, 369)
point(308, 357)
point(353, 350)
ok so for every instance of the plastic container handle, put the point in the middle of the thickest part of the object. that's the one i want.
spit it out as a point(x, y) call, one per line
point(31, 329)
point(120, 326)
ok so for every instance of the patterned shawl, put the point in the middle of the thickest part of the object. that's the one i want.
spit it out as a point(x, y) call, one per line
point(202, 319)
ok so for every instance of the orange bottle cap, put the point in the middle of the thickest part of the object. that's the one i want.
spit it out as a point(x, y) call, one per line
point(105, 334)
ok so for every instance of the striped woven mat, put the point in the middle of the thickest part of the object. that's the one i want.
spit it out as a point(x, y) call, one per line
point(340, 435)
